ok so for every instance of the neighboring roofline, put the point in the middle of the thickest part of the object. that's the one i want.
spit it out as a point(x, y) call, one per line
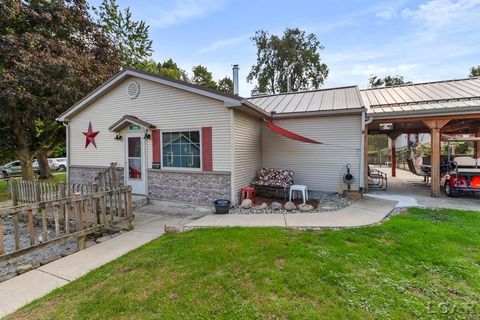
point(421, 113)
point(419, 83)
point(306, 114)
point(228, 99)
point(265, 95)
point(119, 125)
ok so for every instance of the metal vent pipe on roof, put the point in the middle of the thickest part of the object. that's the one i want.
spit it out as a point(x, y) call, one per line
point(235, 79)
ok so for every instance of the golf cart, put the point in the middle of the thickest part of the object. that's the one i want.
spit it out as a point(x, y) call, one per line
point(464, 171)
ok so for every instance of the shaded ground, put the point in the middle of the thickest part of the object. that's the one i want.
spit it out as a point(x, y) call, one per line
point(424, 264)
point(408, 184)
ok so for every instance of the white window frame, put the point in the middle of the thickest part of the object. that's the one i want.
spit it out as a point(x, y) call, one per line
point(181, 168)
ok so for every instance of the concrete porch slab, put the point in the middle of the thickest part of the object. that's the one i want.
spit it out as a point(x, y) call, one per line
point(364, 212)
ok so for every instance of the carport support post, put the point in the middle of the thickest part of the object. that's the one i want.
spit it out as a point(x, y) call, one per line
point(435, 127)
point(477, 145)
point(393, 152)
point(365, 160)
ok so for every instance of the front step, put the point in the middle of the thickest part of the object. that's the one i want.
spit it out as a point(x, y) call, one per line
point(139, 201)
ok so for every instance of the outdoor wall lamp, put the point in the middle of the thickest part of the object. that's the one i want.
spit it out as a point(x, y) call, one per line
point(118, 137)
point(147, 136)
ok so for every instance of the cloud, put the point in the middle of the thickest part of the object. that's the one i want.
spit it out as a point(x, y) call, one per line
point(386, 14)
point(223, 43)
point(438, 18)
point(384, 70)
point(180, 11)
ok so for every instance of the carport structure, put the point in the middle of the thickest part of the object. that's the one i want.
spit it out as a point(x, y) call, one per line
point(439, 108)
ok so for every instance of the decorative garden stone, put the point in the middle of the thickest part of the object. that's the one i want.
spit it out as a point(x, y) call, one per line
point(171, 229)
point(305, 208)
point(276, 206)
point(290, 206)
point(263, 206)
point(246, 204)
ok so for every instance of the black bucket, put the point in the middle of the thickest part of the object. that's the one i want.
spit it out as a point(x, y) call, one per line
point(222, 206)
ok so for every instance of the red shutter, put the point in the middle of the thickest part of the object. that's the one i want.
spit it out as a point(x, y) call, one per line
point(207, 148)
point(156, 149)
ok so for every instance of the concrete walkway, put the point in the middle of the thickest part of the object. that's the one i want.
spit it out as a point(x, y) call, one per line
point(364, 212)
point(18, 291)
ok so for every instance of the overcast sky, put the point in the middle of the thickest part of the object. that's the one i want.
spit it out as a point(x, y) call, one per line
point(421, 40)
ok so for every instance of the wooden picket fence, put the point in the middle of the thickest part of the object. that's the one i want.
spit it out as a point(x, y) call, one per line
point(107, 178)
point(66, 218)
point(31, 191)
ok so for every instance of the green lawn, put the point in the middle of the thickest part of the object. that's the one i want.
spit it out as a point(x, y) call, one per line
point(5, 192)
point(424, 264)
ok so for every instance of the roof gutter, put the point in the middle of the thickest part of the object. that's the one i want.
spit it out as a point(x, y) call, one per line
point(260, 112)
point(307, 114)
point(421, 113)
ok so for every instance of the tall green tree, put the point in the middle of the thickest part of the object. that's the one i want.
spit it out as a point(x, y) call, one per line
point(225, 85)
point(203, 77)
point(294, 57)
point(388, 81)
point(475, 71)
point(130, 36)
point(170, 69)
point(52, 53)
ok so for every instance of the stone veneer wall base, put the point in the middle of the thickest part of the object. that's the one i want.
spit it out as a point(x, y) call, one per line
point(200, 188)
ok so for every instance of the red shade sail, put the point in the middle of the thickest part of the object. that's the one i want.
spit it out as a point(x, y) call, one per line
point(289, 134)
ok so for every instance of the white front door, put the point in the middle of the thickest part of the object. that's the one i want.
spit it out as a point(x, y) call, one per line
point(135, 168)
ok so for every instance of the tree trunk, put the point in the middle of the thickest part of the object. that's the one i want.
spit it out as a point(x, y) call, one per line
point(42, 158)
point(26, 158)
point(24, 154)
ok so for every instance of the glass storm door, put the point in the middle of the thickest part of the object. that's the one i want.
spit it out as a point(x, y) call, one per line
point(135, 162)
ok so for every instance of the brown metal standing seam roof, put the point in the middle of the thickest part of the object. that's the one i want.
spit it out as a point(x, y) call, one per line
point(335, 99)
point(423, 96)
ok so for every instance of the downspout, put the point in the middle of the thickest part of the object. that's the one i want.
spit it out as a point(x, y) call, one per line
point(67, 129)
point(233, 191)
point(365, 123)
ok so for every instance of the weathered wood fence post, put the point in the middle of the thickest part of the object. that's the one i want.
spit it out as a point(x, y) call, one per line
point(13, 192)
point(38, 191)
point(114, 175)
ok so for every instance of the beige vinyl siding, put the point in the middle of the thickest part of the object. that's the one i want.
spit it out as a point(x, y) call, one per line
point(247, 150)
point(166, 107)
point(319, 167)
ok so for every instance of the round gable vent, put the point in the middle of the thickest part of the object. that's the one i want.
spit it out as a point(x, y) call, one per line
point(133, 89)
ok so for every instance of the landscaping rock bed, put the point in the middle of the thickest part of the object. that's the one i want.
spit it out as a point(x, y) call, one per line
point(326, 203)
point(41, 255)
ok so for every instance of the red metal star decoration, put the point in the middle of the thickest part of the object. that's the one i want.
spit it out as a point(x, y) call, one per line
point(90, 136)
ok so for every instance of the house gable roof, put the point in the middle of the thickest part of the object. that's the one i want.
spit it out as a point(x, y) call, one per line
point(229, 100)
